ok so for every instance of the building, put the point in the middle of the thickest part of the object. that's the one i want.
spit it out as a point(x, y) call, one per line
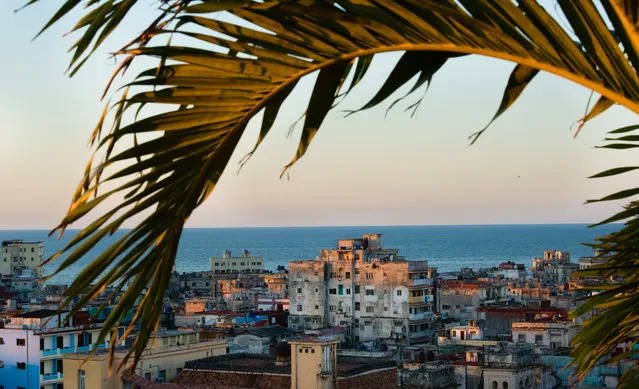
point(471, 331)
point(546, 334)
point(511, 270)
point(246, 263)
point(551, 256)
point(162, 361)
point(588, 262)
point(460, 300)
point(371, 291)
point(514, 366)
point(17, 255)
point(33, 344)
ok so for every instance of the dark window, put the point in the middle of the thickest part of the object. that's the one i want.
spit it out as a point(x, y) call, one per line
point(22, 366)
point(356, 289)
point(399, 292)
point(370, 309)
point(299, 290)
point(348, 274)
point(370, 292)
point(1, 340)
point(332, 291)
point(299, 308)
point(20, 342)
point(357, 306)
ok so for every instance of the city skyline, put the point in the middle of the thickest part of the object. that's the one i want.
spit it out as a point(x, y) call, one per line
point(359, 171)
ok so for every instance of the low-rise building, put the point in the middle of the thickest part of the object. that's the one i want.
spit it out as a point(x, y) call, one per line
point(161, 361)
point(460, 300)
point(546, 334)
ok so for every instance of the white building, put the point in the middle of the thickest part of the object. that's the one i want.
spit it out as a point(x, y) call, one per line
point(18, 255)
point(370, 291)
point(32, 346)
point(246, 263)
point(545, 334)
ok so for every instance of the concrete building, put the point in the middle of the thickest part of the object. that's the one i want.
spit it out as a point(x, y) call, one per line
point(460, 299)
point(471, 331)
point(33, 344)
point(511, 270)
point(546, 334)
point(371, 291)
point(514, 366)
point(246, 263)
point(550, 256)
point(17, 255)
point(162, 361)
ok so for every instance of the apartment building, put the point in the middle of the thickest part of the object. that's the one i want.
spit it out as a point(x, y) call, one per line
point(33, 344)
point(246, 263)
point(371, 291)
point(17, 255)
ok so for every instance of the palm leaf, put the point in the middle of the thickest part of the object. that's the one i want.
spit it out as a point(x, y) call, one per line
point(227, 73)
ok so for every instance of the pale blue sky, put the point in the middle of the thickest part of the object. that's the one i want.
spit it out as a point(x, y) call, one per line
point(362, 170)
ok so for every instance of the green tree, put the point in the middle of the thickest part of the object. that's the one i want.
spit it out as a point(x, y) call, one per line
point(229, 72)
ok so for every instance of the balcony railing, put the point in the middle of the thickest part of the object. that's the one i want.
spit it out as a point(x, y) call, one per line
point(46, 353)
point(51, 377)
point(422, 281)
point(420, 334)
point(420, 316)
point(67, 350)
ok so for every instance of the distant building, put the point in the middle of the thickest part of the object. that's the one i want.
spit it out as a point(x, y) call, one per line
point(544, 334)
point(511, 270)
point(460, 299)
point(369, 290)
point(551, 256)
point(17, 255)
point(246, 263)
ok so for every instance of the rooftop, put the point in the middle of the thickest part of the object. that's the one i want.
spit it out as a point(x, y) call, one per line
point(39, 314)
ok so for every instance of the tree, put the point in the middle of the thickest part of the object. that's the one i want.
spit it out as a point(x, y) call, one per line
point(230, 72)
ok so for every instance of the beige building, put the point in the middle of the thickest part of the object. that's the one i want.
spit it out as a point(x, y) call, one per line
point(316, 363)
point(18, 255)
point(544, 334)
point(371, 291)
point(162, 361)
point(246, 263)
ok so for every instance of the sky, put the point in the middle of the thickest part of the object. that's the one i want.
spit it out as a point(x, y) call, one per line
point(366, 169)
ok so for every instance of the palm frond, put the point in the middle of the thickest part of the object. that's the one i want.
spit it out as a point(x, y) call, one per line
point(229, 72)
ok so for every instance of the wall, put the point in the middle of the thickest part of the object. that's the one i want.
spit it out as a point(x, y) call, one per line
point(308, 365)
point(307, 290)
point(11, 354)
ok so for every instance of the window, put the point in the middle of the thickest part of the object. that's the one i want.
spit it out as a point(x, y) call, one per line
point(331, 308)
point(299, 308)
point(539, 339)
point(348, 290)
point(340, 289)
point(357, 289)
point(20, 342)
point(505, 384)
point(299, 290)
point(369, 276)
point(357, 306)
point(1, 340)
point(445, 306)
point(332, 291)
point(1, 364)
point(22, 366)
point(370, 309)
point(370, 292)
point(399, 292)
point(454, 333)
point(317, 307)
point(521, 338)
point(316, 290)
point(348, 274)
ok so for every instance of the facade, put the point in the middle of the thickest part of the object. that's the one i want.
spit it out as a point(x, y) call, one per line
point(511, 270)
point(371, 291)
point(551, 256)
point(246, 263)
point(162, 361)
point(31, 349)
point(545, 334)
point(18, 255)
point(460, 299)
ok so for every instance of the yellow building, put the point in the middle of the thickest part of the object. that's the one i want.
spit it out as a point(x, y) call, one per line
point(163, 359)
point(314, 363)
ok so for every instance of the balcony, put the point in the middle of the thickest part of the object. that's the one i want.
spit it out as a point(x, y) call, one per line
point(421, 282)
point(67, 350)
point(47, 353)
point(48, 378)
point(420, 334)
point(420, 316)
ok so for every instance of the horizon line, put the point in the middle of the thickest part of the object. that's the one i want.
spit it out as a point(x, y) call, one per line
point(345, 226)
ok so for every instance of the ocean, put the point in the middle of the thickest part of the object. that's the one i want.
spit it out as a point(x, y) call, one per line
point(447, 248)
